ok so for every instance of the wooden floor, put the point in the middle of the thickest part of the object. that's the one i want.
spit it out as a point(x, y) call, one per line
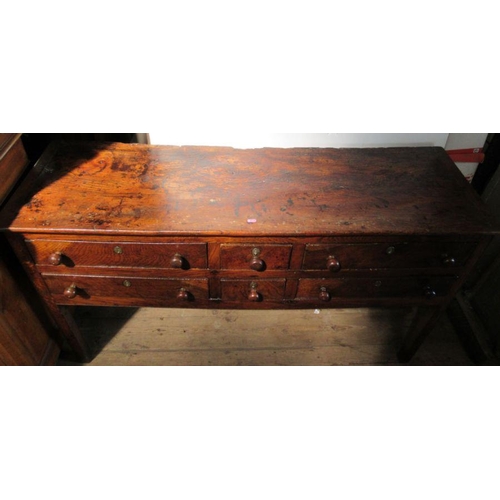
point(149, 336)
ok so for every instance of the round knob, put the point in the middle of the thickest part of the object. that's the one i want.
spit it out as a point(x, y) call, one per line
point(257, 264)
point(429, 292)
point(183, 294)
point(333, 264)
point(324, 295)
point(177, 261)
point(70, 292)
point(254, 295)
point(448, 260)
point(55, 258)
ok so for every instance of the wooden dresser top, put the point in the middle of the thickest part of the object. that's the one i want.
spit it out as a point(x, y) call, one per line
point(131, 189)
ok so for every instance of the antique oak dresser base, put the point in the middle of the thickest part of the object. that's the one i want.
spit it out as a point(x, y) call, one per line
point(137, 225)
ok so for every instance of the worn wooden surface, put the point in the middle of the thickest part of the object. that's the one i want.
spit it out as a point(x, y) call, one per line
point(117, 253)
point(160, 226)
point(178, 337)
point(416, 254)
point(142, 189)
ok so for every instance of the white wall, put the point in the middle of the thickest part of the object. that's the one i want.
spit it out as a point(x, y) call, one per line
point(259, 140)
point(465, 141)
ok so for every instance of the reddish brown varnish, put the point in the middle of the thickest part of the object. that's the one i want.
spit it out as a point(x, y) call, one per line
point(139, 225)
point(140, 189)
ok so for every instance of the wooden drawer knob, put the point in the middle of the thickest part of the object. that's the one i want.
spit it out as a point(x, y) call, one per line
point(183, 294)
point(177, 261)
point(429, 292)
point(70, 291)
point(324, 295)
point(254, 295)
point(55, 258)
point(333, 264)
point(256, 263)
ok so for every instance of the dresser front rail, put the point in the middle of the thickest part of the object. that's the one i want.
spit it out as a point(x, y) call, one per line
point(237, 273)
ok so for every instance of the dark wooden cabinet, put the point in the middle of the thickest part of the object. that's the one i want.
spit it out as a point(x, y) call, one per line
point(138, 225)
point(24, 336)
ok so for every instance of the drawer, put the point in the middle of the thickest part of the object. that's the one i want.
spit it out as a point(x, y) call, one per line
point(125, 290)
point(387, 255)
point(324, 290)
point(118, 254)
point(252, 290)
point(255, 257)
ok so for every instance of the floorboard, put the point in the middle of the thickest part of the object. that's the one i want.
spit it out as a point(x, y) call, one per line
point(186, 337)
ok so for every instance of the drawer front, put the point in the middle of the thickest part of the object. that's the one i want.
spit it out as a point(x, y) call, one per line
point(324, 290)
point(247, 291)
point(255, 257)
point(387, 255)
point(120, 254)
point(125, 290)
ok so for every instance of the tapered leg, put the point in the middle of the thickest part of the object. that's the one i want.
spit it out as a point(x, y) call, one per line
point(71, 332)
point(423, 322)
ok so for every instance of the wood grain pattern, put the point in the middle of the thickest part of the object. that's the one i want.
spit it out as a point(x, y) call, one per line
point(382, 287)
point(163, 226)
point(239, 290)
point(119, 254)
point(201, 337)
point(240, 256)
point(125, 290)
point(5, 139)
point(140, 189)
point(408, 254)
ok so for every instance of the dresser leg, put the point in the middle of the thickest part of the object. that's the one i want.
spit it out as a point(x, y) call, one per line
point(70, 331)
point(423, 322)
